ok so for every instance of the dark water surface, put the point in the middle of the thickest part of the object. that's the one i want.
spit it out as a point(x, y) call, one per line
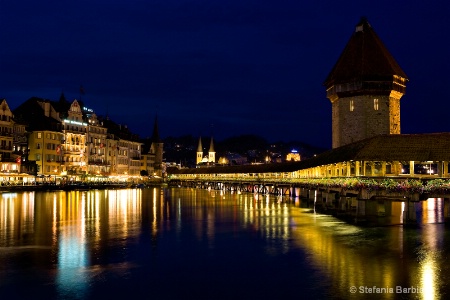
point(180, 243)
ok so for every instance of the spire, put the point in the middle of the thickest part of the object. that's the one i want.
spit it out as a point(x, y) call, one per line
point(200, 147)
point(362, 25)
point(155, 136)
point(211, 145)
point(365, 58)
point(62, 98)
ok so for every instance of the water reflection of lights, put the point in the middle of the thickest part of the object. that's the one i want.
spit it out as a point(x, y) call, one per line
point(431, 210)
point(72, 251)
point(428, 279)
point(270, 217)
point(16, 216)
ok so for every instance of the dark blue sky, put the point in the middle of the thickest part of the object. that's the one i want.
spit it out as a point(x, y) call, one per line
point(247, 67)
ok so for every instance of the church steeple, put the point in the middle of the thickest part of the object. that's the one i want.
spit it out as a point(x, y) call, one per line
point(155, 136)
point(199, 151)
point(365, 87)
point(211, 153)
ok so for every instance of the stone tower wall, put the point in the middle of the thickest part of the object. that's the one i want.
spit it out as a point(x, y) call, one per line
point(364, 116)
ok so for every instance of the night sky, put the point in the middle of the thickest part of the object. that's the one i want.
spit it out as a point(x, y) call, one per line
point(218, 67)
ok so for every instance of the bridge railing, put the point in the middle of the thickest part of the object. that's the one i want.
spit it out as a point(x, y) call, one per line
point(404, 185)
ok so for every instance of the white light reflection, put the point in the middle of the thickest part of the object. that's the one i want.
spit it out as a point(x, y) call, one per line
point(72, 251)
point(428, 279)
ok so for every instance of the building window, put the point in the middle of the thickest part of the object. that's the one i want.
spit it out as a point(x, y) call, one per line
point(375, 104)
point(39, 135)
point(352, 105)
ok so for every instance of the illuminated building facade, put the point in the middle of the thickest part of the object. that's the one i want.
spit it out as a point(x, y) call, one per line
point(365, 87)
point(123, 149)
point(73, 150)
point(96, 146)
point(6, 131)
point(44, 135)
point(293, 156)
point(44, 150)
point(20, 149)
point(68, 140)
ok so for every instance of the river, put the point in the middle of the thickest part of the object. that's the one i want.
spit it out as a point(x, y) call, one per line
point(181, 243)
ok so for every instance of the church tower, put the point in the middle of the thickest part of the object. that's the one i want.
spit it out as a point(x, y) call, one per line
point(199, 151)
point(364, 87)
point(156, 148)
point(211, 153)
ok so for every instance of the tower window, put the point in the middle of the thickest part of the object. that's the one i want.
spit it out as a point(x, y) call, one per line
point(375, 104)
point(352, 105)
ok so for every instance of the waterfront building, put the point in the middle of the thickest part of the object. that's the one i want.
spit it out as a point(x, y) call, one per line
point(73, 150)
point(68, 140)
point(123, 152)
point(365, 87)
point(13, 147)
point(111, 153)
point(6, 131)
point(96, 146)
point(20, 150)
point(134, 150)
point(45, 135)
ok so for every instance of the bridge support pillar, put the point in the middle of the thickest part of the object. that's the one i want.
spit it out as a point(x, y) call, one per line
point(318, 197)
point(312, 195)
point(304, 192)
point(329, 199)
point(447, 210)
point(374, 208)
point(294, 191)
point(409, 214)
point(343, 203)
point(361, 208)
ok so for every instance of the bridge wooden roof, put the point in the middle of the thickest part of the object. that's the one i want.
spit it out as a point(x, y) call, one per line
point(395, 147)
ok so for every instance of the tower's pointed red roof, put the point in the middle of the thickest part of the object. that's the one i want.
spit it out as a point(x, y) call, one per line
point(365, 58)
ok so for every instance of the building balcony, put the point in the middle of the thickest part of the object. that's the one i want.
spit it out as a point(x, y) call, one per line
point(72, 163)
point(98, 163)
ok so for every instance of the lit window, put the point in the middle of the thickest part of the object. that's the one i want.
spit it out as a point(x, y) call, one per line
point(375, 104)
point(352, 105)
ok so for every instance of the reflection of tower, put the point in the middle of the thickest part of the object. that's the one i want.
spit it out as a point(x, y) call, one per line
point(199, 151)
point(211, 153)
point(365, 87)
point(157, 149)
